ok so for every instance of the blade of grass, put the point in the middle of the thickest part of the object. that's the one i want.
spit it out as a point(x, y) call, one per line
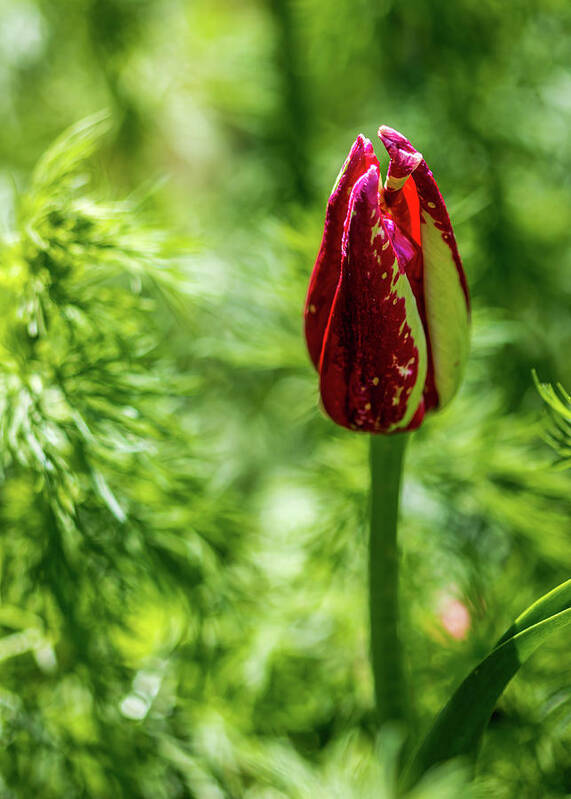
point(460, 725)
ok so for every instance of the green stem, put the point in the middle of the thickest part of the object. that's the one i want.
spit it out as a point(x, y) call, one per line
point(387, 454)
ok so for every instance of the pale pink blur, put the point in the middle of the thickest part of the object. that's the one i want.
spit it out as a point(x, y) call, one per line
point(455, 617)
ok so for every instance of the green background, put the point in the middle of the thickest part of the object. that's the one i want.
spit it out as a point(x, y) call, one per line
point(187, 584)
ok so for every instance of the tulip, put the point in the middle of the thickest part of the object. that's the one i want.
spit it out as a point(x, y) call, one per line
point(387, 311)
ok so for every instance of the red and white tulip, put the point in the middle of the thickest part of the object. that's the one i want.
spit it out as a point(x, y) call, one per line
point(387, 311)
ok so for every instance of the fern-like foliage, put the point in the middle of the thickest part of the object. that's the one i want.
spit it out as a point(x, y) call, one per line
point(558, 429)
point(100, 497)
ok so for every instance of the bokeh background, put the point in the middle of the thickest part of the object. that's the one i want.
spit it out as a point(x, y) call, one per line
point(182, 551)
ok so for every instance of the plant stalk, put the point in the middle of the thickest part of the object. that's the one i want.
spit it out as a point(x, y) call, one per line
point(386, 459)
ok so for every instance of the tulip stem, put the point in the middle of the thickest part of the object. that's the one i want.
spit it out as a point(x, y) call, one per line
point(386, 457)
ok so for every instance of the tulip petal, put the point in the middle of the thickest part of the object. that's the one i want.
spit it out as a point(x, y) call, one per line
point(327, 267)
point(373, 363)
point(446, 300)
point(409, 255)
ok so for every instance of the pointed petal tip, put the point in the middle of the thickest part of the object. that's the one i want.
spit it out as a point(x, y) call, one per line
point(364, 199)
point(389, 135)
point(368, 185)
point(365, 192)
point(404, 157)
point(364, 145)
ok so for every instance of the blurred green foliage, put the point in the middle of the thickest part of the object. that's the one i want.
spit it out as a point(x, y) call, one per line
point(558, 432)
point(182, 557)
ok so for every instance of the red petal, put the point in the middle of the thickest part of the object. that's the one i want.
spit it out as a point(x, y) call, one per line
point(411, 199)
point(328, 264)
point(403, 156)
point(437, 278)
point(373, 363)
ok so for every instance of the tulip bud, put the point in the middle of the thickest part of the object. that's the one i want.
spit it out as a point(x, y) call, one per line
point(387, 311)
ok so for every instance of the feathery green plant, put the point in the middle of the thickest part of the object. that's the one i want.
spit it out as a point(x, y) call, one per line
point(558, 428)
point(101, 507)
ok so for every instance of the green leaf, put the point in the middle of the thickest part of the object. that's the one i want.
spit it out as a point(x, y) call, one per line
point(550, 604)
point(461, 723)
